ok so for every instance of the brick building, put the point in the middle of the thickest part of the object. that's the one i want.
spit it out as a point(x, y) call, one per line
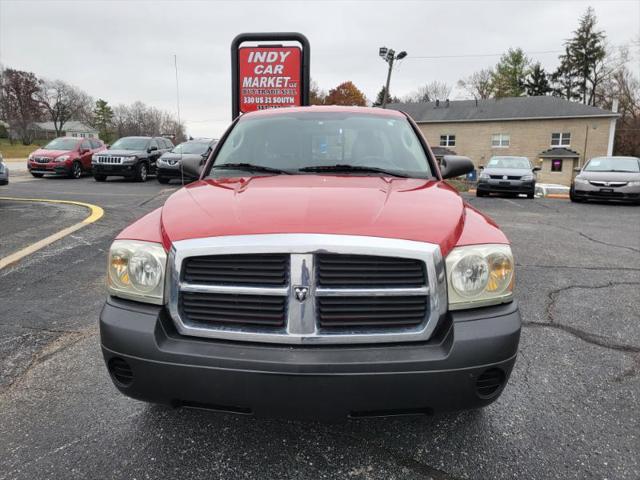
point(553, 133)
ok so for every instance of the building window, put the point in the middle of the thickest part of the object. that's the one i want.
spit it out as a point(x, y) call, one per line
point(500, 140)
point(447, 140)
point(556, 165)
point(82, 135)
point(560, 139)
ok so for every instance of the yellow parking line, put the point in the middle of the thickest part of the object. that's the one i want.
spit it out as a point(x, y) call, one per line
point(95, 215)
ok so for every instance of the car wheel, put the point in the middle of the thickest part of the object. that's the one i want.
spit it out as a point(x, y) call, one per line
point(573, 198)
point(163, 180)
point(480, 194)
point(530, 195)
point(100, 178)
point(38, 175)
point(142, 172)
point(76, 170)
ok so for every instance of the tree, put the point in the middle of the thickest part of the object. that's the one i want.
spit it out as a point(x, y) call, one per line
point(537, 84)
point(564, 79)
point(18, 102)
point(103, 116)
point(584, 55)
point(346, 94)
point(430, 92)
point(63, 102)
point(141, 119)
point(478, 84)
point(316, 95)
point(510, 73)
point(380, 98)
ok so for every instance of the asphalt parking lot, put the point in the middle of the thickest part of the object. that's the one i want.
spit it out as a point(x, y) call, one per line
point(570, 410)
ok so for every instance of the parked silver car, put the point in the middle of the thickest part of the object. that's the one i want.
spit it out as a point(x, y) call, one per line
point(608, 178)
point(507, 174)
point(4, 172)
point(185, 160)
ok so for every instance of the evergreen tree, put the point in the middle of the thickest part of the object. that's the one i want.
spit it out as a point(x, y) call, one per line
point(103, 115)
point(537, 84)
point(508, 78)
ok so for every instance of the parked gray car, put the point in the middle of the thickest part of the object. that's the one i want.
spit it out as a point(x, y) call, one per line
point(184, 160)
point(506, 174)
point(4, 172)
point(608, 178)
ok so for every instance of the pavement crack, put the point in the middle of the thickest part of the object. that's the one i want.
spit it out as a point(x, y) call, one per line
point(583, 335)
point(633, 249)
point(576, 267)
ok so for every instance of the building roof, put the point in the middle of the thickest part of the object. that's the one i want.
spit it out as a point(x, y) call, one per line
point(559, 152)
point(70, 126)
point(493, 109)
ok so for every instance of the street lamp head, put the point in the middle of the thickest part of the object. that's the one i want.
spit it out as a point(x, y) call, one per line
point(401, 55)
point(383, 51)
point(390, 54)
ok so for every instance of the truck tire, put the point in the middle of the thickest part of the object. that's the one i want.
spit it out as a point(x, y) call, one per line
point(142, 172)
point(100, 178)
point(163, 180)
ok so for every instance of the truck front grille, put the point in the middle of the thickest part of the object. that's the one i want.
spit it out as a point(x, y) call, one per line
point(381, 312)
point(369, 271)
point(231, 309)
point(251, 269)
point(306, 289)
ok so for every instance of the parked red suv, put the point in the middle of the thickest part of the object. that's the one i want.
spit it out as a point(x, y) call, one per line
point(69, 156)
point(319, 268)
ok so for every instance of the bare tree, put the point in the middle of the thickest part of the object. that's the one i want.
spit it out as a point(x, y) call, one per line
point(478, 84)
point(141, 119)
point(63, 102)
point(18, 104)
point(429, 92)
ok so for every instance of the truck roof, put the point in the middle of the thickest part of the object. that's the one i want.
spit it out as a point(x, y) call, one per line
point(326, 109)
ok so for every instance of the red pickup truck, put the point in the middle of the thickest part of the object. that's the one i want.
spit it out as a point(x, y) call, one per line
point(320, 268)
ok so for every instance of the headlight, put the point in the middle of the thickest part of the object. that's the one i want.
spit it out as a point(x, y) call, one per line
point(136, 271)
point(526, 178)
point(30, 156)
point(61, 158)
point(634, 184)
point(479, 275)
point(484, 176)
point(580, 180)
point(131, 159)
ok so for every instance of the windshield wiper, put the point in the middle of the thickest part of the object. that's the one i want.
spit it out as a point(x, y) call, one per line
point(351, 168)
point(250, 166)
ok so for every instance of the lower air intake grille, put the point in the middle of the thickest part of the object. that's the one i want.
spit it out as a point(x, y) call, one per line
point(253, 269)
point(232, 309)
point(371, 311)
point(368, 271)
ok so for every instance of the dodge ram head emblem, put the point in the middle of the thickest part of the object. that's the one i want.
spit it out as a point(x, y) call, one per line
point(301, 293)
point(504, 177)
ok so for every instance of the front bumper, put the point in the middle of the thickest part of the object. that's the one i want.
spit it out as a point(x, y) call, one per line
point(506, 186)
point(124, 170)
point(592, 192)
point(51, 168)
point(171, 171)
point(319, 382)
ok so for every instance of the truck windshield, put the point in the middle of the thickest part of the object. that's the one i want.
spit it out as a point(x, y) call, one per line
point(308, 142)
point(613, 164)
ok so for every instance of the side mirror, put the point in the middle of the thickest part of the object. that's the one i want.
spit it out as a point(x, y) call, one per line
point(455, 165)
point(192, 167)
point(84, 150)
point(481, 167)
point(107, 146)
point(152, 149)
point(537, 169)
point(577, 169)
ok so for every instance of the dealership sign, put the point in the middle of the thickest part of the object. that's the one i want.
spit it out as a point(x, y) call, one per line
point(269, 76)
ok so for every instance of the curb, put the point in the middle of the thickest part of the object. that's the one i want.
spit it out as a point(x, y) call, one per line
point(95, 215)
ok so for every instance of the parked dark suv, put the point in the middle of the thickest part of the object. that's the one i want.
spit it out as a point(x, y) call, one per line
point(133, 157)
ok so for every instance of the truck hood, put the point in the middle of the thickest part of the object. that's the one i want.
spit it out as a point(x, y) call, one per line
point(410, 209)
point(124, 153)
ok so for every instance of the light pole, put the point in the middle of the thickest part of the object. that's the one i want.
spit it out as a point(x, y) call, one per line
point(389, 56)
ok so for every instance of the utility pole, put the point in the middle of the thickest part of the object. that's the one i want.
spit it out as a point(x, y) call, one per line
point(389, 56)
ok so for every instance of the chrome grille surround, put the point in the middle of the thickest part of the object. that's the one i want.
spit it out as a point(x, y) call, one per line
point(596, 183)
point(302, 326)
